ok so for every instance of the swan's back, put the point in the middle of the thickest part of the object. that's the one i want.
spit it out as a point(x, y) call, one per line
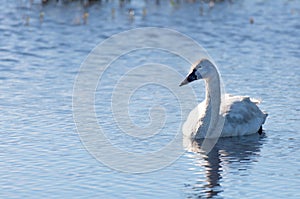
point(242, 116)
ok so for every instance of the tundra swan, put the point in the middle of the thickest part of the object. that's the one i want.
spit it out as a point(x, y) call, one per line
point(240, 114)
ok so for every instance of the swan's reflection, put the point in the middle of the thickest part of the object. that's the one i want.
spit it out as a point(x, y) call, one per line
point(234, 154)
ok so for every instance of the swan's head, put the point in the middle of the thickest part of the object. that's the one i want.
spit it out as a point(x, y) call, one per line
point(202, 69)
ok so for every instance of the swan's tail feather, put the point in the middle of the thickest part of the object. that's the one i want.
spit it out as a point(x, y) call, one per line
point(265, 116)
point(260, 131)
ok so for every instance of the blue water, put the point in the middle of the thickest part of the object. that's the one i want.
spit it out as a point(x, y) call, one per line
point(42, 48)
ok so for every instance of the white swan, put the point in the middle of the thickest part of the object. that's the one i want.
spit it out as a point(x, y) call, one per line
point(236, 115)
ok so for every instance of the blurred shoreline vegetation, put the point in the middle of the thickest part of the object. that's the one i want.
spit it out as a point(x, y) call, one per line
point(127, 7)
point(122, 2)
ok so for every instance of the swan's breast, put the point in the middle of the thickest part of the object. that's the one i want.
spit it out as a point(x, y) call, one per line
point(194, 121)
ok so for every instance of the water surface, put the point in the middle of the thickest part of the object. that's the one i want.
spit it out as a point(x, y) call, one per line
point(42, 48)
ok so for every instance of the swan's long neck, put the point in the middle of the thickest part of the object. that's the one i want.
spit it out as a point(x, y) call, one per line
point(212, 102)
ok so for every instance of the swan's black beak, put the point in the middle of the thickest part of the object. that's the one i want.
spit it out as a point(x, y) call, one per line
point(184, 82)
point(191, 77)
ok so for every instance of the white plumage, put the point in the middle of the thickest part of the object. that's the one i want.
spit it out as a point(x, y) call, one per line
point(231, 115)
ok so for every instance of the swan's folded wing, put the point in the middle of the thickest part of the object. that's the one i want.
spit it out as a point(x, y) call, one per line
point(240, 110)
